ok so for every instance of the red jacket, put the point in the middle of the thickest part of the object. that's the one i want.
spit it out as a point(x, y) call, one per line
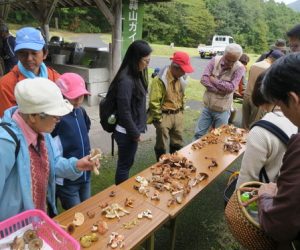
point(8, 83)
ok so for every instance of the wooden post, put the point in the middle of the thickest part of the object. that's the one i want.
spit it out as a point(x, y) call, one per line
point(46, 31)
point(116, 36)
point(56, 22)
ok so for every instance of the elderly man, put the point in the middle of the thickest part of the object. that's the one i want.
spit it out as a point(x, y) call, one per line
point(220, 78)
point(251, 113)
point(294, 38)
point(28, 174)
point(166, 103)
point(31, 51)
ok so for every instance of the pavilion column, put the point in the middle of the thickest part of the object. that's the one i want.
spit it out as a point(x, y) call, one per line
point(116, 36)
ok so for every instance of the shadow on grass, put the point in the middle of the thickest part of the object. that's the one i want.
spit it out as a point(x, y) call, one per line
point(201, 225)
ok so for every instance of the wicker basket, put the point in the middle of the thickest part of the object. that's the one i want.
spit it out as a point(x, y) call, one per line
point(243, 227)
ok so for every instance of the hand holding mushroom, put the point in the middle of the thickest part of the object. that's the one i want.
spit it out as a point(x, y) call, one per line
point(95, 156)
point(86, 164)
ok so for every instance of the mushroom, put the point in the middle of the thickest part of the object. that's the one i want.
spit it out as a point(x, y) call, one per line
point(70, 228)
point(30, 235)
point(94, 228)
point(95, 155)
point(102, 227)
point(35, 244)
point(128, 203)
point(155, 195)
point(78, 219)
point(94, 237)
point(17, 244)
point(112, 193)
point(86, 241)
point(178, 195)
point(201, 177)
point(91, 214)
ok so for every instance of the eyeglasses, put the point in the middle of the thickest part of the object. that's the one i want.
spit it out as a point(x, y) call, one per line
point(45, 116)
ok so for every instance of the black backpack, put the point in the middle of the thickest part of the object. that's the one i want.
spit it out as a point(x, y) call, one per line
point(6, 127)
point(283, 137)
point(107, 108)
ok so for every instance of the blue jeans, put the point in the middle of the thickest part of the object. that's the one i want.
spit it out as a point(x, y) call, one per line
point(72, 194)
point(126, 153)
point(210, 118)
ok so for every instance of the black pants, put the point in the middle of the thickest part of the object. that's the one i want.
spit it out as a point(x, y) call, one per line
point(126, 153)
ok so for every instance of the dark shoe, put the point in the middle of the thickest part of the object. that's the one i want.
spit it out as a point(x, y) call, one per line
point(174, 148)
point(159, 153)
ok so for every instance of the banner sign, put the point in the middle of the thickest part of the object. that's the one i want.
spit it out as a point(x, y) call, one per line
point(132, 22)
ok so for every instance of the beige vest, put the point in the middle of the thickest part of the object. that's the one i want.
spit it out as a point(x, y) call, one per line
point(215, 101)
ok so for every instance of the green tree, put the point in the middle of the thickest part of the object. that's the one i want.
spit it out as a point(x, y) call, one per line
point(185, 24)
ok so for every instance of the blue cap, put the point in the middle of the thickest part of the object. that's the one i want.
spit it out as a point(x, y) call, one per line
point(29, 38)
point(156, 70)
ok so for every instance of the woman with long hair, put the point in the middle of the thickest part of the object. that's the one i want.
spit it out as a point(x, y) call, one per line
point(131, 82)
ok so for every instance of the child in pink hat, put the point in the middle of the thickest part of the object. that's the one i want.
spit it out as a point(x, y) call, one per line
point(71, 135)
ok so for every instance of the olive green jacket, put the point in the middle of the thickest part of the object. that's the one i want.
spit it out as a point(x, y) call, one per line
point(157, 94)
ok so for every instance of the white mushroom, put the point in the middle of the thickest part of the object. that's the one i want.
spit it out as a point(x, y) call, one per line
point(95, 155)
point(78, 219)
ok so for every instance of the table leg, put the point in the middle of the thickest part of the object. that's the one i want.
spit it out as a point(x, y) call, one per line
point(150, 242)
point(173, 225)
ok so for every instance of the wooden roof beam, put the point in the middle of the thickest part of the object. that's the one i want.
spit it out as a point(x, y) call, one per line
point(78, 2)
point(70, 3)
point(88, 2)
point(51, 10)
point(105, 11)
point(61, 4)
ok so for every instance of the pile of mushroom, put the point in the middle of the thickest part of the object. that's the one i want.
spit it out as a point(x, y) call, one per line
point(114, 210)
point(29, 238)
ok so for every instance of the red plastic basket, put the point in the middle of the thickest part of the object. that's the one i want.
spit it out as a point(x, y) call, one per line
point(46, 228)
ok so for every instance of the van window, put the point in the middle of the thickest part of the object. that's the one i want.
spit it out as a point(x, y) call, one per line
point(231, 40)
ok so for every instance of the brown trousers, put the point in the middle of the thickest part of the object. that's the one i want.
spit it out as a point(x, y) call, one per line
point(169, 133)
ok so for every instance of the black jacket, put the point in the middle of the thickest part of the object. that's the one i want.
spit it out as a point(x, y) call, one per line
point(131, 105)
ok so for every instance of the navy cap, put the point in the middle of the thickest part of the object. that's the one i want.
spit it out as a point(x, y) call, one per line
point(276, 53)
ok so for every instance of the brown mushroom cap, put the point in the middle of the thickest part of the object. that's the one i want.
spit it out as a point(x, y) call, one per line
point(35, 244)
point(30, 235)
